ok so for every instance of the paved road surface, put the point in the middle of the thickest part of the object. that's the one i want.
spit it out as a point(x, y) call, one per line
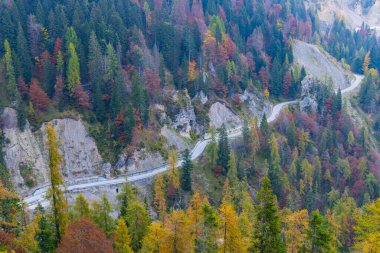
point(38, 195)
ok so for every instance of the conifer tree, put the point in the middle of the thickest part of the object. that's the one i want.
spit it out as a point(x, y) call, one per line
point(137, 220)
point(159, 201)
point(58, 201)
point(267, 232)
point(274, 166)
point(45, 234)
point(23, 54)
point(319, 235)
point(73, 73)
point(101, 214)
point(11, 87)
point(81, 207)
point(157, 239)
point(229, 229)
point(187, 167)
point(223, 150)
point(95, 74)
point(232, 171)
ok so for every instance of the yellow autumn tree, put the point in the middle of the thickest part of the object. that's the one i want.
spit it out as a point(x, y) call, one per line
point(295, 229)
point(157, 239)
point(159, 201)
point(229, 230)
point(367, 61)
point(195, 214)
point(246, 218)
point(122, 241)
point(173, 170)
point(56, 193)
point(192, 72)
point(180, 236)
point(26, 239)
point(266, 93)
point(367, 228)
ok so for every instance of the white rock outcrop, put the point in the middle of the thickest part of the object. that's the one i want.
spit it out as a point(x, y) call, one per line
point(219, 114)
point(25, 151)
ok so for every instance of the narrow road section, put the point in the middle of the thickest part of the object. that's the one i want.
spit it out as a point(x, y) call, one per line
point(39, 195)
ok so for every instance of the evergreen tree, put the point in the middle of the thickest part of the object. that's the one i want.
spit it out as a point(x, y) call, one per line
point(95, 74)
point(11, 87)
point(319, 235)
point(140, 98)
point(223, 150)
point(274, 166)
point(115, 81)
point(58, 201)
point(23, 54)
point(187, 167)
point(137, 220)
point(232, 171)
point(45, 233)
point(73, 73)
point(267, 232)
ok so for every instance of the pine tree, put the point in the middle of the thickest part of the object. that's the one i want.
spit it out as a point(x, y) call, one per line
point(73, 73)
point(180, 238)
point(212, 150)
point(187, 167)
point(122, 240)
point(58, 201)
point(267, 232)
point(81, 207)
point(223, 150)
point(264, 127)
point(319, 235)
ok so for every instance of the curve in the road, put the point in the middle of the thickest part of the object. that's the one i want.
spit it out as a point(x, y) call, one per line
point(38, 196)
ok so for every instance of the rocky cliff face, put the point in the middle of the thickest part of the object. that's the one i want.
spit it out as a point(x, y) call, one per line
point(26, 156)
point(219, 114)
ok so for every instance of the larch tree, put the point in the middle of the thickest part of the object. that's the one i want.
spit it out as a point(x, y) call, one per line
point(295, 230)
point(122, 240)
point(267, 232)
point(229, 230)
point(157, 239)
point(11, 87)
point(73, 72)
point(367, 61)
point(159, 201)
point(367, 228)
point(56, 192)
point(232, 171)
point(81, 207)
point(180, 237)
point(101, 214)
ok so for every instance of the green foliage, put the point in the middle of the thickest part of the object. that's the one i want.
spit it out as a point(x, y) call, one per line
point(186, 170)
point(223, 150)
point(101, 214)
point(73, 73)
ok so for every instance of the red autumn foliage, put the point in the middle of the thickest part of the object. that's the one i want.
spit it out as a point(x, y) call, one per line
point(24, 89)
point(57, 48)
point(39, 98)
point(218, 170)
point(84, 236)
point(152, 83)
point(82, 97)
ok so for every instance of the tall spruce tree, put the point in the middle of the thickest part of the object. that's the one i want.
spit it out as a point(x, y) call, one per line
point(95, 74)
point(267, 232)
point(73, 73)
point(187, 167)
point(319, 235)
point(223, 150)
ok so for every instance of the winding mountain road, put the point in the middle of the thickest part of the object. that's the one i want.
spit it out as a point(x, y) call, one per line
point(38, 196)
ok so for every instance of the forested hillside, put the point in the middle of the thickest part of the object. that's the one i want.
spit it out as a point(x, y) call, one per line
point(309, 182)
